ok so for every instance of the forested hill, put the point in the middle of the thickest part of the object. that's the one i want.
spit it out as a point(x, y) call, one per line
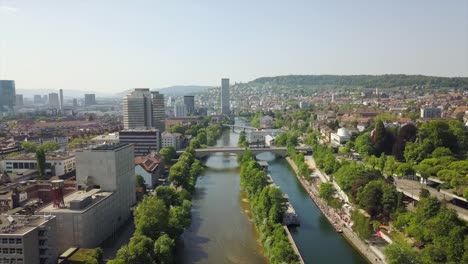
point(367, 81)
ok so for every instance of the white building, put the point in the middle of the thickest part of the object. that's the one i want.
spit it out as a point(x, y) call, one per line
point(106, 182)
point(54, 101)
point(431, 113)
point(341, 136)
point(56, 163)
point(150, 167)
point(180, 110)
point(28, 239)
point(259, 135)
point(171, 140)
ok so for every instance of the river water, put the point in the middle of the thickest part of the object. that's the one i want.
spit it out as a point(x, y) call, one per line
point(221, 231)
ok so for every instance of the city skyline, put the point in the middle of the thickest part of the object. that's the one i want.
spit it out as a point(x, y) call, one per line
point(363, 37)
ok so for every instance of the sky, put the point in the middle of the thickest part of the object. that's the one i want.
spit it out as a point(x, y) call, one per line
point(114, 45)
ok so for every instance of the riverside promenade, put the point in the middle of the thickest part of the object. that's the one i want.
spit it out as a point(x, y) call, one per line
point(335, 218)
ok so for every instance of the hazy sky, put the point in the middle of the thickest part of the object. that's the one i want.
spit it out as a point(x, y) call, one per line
point(112, 45)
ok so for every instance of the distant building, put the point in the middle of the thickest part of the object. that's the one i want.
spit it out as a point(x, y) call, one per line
point(430, 113)
point(37, 99)
point(45, 99)
point(180, 110)
point(89, 99)
point(7, 96)
point(171, 140)
point(266, 122)
point(105, 139)
point(341, 136)
point(54, 101)
point(56, 163)
point(144, 140)
point(144, 109)
point(189, 101)
point(106, 182)
point(150, 167)
point(303, 104)
point(61, 100)
point(19, 100)
point(28, 239)
point(159, 113)
point(75, 102)
point(260, 135)
point(225, 103)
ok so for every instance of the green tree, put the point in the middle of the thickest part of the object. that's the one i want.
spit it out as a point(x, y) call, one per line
point(151, 217)
point(28, 146)
point(169, 153)
point(140, 181)
point(138, 250)
point(50, 146)
point(41, 162)
point(179, 218)
point(164, 250)
point(168, 195)
point(363, 145)
point(401, 253)
point(326, 191)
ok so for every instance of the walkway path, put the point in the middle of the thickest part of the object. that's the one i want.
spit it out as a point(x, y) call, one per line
point(339, 221)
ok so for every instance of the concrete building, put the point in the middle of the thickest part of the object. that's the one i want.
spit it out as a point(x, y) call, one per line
point(75, 102)
point(430, 113)
point(150, 167)
point(106, 183)
point(159, 113)
point(171, 140)
point(45, 99)
point(266, 122)
point(89, 99)
point(180, 110)
point(28, 239)
point(303, 104)
point(61, 100)
point(54, 101)
point(259, 136)
point(7, 96)
point(144, 140)
point(189, 101)
point(225, 103)
point(37, 99)
point(111, 138)
point(19, 100)
point(341, 136)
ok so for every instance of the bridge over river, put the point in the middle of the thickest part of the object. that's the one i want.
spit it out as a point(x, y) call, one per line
point(280, 151)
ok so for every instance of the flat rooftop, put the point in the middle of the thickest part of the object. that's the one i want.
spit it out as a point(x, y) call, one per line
point(21, 224)
point(96, 197)
point(109, 147)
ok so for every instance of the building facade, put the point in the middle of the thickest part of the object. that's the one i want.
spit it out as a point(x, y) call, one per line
point(180, 110)
point(431, 113)
point(7, 96)
point(28, 239)
point(159, 112)
point(89, 99)
point(225, 103)
point(54, 101)
point(171, 140)
point(19, 100)
point(144, 109)
point(56, 164)
point(144, 140)
point(189, 102)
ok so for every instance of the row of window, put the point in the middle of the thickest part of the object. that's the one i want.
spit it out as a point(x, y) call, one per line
point(12, 251)
point(12, 241)
point(11, 261)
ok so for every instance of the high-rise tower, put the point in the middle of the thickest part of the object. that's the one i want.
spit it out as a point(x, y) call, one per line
point(159, 112)
point(61, 100)
point(7, 96)
point(225, 104)
point(54, 101)
point(189, 101)
point(144, 109)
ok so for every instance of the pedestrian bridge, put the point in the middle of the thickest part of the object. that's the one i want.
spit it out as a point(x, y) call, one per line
point(280, 151)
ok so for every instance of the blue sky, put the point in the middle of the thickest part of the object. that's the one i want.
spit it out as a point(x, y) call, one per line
point(112, 45)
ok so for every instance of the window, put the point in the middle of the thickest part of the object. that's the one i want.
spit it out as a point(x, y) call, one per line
point(12, 250)
point(19, 241)
point(4, 240)
point(5, 250)
point(19, 251)
point(12, 241)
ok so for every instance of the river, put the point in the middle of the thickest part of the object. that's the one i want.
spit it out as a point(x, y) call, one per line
point(221, 231)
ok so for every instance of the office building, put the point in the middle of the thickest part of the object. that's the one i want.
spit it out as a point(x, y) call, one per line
point(341, 136)
point(105, 177)
point(137, 109)
point(28, 239)
point(430, 113)
point(56, 163)
point(54, 101)
point(19, 100)
point(37, 99)
point(143, 140)
point(144, 109)
point(189, 101)
point(89, 99)
point(180, 110)
point(45, 99)
point(159, 112)
point(225, 104)
point(75, 102)
point(7, 96)
point(61, 100)
point(171, 140)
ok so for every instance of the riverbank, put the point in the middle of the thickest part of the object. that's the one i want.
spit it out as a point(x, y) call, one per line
point(336, 219)
point(293, 244)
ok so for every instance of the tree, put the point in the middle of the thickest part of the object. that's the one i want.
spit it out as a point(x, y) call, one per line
point(138, 250)
point(151, 217)
point(400, 253)
point(326, 191)
point(378, 137)
point(363, 145)
point(164, 248)
point(140, 181)
point(404, 169)
point(41, 162)
point(179, 218)
point(441, 152)
point(179, 174)
point(28, 146)
point(242, 139)
point(169, 153)
point(168, 194)
point(49, 146)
